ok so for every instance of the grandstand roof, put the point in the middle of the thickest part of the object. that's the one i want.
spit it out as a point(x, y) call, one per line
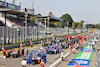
point(51, 18)
point(14, 12)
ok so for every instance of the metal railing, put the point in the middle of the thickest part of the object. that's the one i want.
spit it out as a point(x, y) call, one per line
point(98, 55)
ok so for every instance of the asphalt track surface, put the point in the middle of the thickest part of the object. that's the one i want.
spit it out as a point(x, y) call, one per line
point(16, 62)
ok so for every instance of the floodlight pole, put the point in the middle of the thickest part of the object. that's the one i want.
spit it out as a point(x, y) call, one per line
point(48, 22)
point(14, 36)
point(60, 28)
point(37, 28)
point(30, 33)
point(5, 18)
point(7, 36)
point(11, 35)
point(67, 27)
point(20, 34)
point(17, 35)
point(23, 33)
point(3, 35)
point(25, 26)
point(45, 27)
point(48, 25)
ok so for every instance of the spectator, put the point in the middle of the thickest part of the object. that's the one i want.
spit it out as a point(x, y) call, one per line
point(24, 63)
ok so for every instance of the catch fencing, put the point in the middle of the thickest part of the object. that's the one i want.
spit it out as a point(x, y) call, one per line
point(15, 34)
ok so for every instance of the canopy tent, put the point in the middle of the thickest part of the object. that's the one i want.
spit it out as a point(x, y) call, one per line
point(14, 12)
point(51, 18)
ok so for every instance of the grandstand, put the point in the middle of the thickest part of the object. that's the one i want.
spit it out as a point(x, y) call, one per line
point(13, 25)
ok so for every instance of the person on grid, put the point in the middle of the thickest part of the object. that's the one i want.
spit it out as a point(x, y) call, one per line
point(56, 44)
point(77, 45)
point(2, 48)
point(24, 63)
point(93, 44)
point(67, 44)
point(27, 51)
point(31, 52)
point(42, 63)
point(50, 50)
point(18, 52)
point(41, 49)
point(57, 49)
point(29, 58)
point(58, 41)
point(49, 41)
point(41, 42)
point(22, 51)
point(62, 55)
point(47, 47)
point(9, 51)
point(4, 52)
point(90, 44)
point(60, 48)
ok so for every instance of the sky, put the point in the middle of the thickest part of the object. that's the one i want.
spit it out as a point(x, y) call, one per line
point(87, 10)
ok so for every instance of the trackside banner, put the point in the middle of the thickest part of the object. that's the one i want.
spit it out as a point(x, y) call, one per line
point(9, 5)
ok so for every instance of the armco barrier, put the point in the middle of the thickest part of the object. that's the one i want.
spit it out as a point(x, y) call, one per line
point(98, 55)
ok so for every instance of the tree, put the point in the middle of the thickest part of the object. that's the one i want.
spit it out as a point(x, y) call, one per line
point(33, 19)
point(66, 18)
point(79, 26)
point(50, 14)
point(74, 25)
point(81, 23)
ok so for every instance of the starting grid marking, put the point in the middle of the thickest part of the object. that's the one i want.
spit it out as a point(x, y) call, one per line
point(83, 58)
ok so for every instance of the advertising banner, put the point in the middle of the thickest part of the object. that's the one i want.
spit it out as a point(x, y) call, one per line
point(87, 46)
point(87, 50)
point(9, 5)
point(79, 62)
point(84, 55)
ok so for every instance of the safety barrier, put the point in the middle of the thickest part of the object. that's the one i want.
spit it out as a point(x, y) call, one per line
point(98, 55)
